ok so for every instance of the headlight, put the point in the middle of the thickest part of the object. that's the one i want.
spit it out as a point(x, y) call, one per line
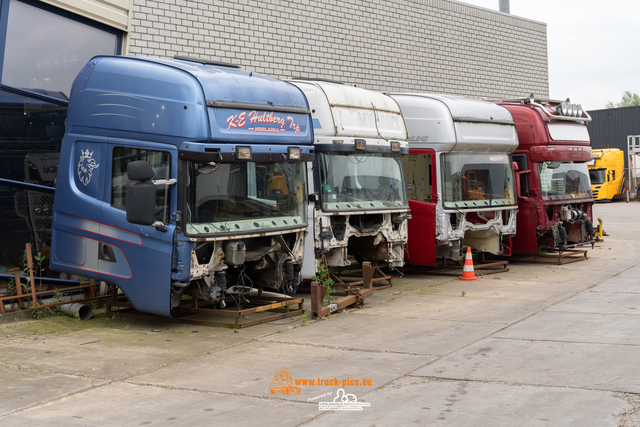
point(568, 109)
point(564, 108)
point(295, 153)
point(244, 153)
point(578, 110)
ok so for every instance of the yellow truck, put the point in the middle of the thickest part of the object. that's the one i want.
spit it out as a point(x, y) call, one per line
point(607, 174)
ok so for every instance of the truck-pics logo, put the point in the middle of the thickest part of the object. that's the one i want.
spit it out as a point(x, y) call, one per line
point(283, 383)
point(343, 402)
point(86, 165)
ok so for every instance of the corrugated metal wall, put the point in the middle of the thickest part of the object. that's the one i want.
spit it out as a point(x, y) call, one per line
point(610, 127)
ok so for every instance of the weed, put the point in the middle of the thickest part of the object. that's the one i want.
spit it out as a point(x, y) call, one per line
point(11, 287)
point(463, 293)
point(304, 319)
point(323, 277)
point(278, 332)
point(40, 313)
point(76, 316)
point(37, 267)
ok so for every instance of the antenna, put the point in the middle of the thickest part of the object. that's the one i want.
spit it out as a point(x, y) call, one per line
point(375, 120)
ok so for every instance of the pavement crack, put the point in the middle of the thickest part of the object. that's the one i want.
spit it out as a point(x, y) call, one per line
point(54, 399)
point(359, 350)
point(197, 390)
point(566, 342)
point(430, 378)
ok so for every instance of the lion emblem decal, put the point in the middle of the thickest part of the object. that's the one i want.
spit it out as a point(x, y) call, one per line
point(86, 165)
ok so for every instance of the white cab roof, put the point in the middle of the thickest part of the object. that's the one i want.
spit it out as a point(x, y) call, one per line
point(348, 111)
point(454, 123)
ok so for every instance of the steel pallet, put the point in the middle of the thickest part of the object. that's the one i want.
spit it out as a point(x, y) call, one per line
point(254, 311)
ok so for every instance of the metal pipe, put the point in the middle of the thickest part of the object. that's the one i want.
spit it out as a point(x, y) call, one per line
point(84, 312)
point(14, 305)
point(44, 280)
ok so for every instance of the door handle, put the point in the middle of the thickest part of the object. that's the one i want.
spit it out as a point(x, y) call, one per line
point(106, 253)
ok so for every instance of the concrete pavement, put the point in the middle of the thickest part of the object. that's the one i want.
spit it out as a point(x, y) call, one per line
point(540, 345)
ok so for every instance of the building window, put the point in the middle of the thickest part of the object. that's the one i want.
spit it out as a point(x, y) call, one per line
point(45, 51)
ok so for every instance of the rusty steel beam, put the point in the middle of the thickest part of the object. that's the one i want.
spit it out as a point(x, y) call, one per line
point(562, 257)
point(189, 312)
point(370, 273)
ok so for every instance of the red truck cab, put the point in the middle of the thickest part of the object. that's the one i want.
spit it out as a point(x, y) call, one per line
point(552, 179)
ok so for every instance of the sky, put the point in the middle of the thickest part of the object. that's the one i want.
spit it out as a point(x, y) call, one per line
point(593, 46)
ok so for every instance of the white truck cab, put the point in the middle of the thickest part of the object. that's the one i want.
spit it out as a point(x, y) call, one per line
point(459, 174)
point(357, 199)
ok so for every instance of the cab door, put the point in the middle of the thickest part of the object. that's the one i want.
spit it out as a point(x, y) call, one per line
point(525, 241)
point(420, 177)
point(138, 258)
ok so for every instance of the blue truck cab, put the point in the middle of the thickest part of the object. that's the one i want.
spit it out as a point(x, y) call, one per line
point(182, 177)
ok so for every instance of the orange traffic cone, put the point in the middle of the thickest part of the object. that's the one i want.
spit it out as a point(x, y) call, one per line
point(467, 271)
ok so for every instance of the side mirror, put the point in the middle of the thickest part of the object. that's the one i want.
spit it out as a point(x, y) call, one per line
point(141, 195)
point(553, 165)
point(141, 202)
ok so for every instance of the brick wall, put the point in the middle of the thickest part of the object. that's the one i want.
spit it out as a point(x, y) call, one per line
point(436, 46)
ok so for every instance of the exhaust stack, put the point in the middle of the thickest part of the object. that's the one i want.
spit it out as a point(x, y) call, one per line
point(504, 6)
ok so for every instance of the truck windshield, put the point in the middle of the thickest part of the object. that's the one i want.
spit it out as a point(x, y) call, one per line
point(473, 180)
point(361, 181)
point(564, 180)
point(245, 197)
point(597, 176)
